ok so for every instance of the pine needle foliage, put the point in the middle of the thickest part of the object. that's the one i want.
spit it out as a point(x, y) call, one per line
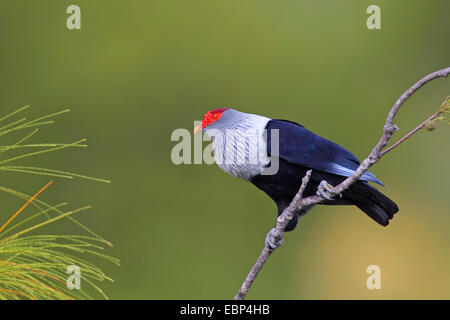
point(33, 265)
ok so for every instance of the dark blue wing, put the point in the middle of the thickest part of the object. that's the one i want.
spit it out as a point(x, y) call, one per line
point(300, 146)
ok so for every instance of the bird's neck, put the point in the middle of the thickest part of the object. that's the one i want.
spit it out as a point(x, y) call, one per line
point(240, 148)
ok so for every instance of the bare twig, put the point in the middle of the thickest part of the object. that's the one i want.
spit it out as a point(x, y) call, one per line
point(275, 236)
point(445, 107)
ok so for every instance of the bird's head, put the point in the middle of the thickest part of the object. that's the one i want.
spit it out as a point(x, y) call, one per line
point(209, 118)
point(238, 141)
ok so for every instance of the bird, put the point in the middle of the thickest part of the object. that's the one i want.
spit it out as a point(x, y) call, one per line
point(248, 145)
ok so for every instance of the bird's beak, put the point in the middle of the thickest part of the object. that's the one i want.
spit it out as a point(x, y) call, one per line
point(197, 129)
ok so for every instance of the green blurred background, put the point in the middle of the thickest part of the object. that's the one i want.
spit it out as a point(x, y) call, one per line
point(137, 70)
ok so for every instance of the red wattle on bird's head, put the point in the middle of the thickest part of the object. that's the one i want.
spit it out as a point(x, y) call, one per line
point(210, 117)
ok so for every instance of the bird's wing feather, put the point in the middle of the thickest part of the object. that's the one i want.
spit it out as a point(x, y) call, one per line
point(300, 146)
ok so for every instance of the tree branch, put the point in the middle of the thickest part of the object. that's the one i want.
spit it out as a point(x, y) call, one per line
point(275, 236)
point(428, 122)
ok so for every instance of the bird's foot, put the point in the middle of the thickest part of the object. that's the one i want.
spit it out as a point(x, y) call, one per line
point(326, 191)
point(273, 242)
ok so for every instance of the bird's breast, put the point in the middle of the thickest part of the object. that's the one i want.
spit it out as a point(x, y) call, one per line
point(241, 152)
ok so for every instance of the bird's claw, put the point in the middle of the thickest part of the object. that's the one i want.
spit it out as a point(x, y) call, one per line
point(326, 191)
point(272, 242)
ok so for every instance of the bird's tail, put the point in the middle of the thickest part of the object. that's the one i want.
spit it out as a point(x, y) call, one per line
point(375, 204)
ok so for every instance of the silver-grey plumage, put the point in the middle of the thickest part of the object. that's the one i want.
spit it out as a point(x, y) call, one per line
point(239, 145)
